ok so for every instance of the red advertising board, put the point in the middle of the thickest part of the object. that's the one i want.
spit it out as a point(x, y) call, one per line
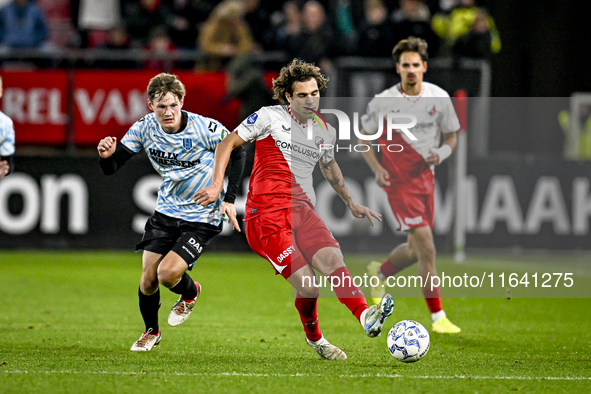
point(101, 103)
point(36, 101)
point(108, 102)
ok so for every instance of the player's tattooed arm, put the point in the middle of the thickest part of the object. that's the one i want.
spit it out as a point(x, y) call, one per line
point(334, 176)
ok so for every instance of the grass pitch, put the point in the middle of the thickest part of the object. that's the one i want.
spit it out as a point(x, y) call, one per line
point(67, 320)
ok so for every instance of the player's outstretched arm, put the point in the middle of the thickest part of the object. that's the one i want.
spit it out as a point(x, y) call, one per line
point(223, 151)
point(113, 156)
point(229, 210)
point(381, 174)
point(334, 176)
point(106, 147)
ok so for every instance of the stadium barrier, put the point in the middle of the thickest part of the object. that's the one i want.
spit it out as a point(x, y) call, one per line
point(73, 97)
point(60, 108)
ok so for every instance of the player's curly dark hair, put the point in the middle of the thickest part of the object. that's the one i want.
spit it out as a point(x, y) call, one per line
point(164, 83)
point(296, 71)
point(411, 44)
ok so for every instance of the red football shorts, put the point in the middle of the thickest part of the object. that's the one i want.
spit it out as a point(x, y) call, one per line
point(412, 210)
point(288, 238)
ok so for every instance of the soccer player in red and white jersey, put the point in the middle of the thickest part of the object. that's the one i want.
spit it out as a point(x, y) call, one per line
point(280, 222)
point(408, 176)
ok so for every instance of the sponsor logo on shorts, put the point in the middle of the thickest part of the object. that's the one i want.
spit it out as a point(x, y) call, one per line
point(196, 245)
point(416, 220)
point(285, 254)
point(188, 251)
point(278, 268)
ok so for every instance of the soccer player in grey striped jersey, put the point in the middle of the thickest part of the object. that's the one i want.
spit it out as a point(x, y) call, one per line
point(180, 146)
point(6, 142)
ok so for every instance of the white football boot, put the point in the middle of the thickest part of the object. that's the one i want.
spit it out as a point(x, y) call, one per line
point(375, 316)
point(147, 341)
point(182, 309)
point(327, 350)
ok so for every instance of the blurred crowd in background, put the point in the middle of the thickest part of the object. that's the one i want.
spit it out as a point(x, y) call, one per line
point(315, 31)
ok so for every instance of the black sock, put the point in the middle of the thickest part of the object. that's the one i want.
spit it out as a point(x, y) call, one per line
point(186, 287)
point(149, 305)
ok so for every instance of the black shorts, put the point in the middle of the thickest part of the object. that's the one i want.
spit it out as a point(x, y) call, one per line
point(164, 233)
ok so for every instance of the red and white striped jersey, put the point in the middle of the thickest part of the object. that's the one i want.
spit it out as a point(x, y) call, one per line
point(284, 158)
point(435, 114)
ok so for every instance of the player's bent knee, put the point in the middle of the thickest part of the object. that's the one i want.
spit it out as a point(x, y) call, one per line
point(309, 292)
point(148, 287)
point(328, 260)
point(169, 278)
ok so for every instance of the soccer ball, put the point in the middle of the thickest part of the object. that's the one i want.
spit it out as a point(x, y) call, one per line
point(408, 341)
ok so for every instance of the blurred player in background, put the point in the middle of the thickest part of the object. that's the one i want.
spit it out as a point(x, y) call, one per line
point(180, 146)
point(281, 224)
point(6, 141)
point(408, 176)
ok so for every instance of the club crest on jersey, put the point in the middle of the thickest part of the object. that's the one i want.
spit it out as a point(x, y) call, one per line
point(433, 111)
point(319, 141)
point(187, 143)
point(252, 118)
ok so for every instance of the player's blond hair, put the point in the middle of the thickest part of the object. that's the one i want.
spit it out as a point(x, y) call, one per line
point(164, 83)
point(296, 71)
point(411, 44)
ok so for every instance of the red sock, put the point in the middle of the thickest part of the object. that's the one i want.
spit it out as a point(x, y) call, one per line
point(433, 298)
point(350, 295)
point(309, 316)
point(389, 269)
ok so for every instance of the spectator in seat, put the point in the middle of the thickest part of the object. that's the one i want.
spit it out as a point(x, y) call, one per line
point(185, 19)
point(315, 43)
point(375, 39)
point(159, 49)
point(460, 21)
point(22, 25)
point(225, 35)
point(477, 42)
point(141, 16)
point(413, 18)
point(376, 31)
point(288, 32)
point(118, 39)
point(259, 22)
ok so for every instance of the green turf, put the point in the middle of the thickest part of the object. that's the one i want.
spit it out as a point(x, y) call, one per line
point(67, 320)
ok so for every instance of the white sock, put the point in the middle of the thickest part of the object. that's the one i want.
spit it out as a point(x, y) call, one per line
point(316, 342)
point(362, 318)
point(437, 315)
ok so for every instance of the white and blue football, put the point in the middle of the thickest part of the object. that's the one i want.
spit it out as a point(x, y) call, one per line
point(408, 341)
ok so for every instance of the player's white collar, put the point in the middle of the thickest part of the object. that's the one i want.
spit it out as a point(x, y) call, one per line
point(296, 119)
point(412, 99)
